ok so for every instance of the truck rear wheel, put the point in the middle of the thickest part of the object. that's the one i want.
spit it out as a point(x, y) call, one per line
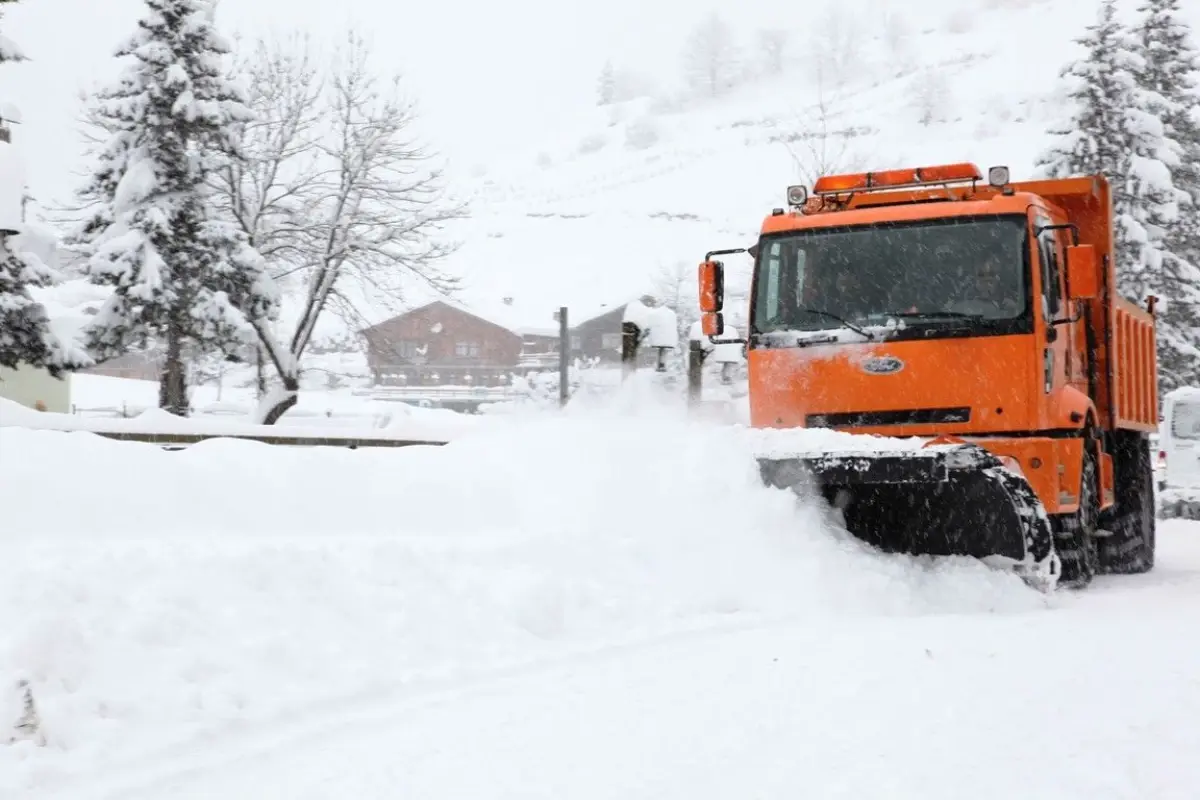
point(1075, 534)
point(1130, 549)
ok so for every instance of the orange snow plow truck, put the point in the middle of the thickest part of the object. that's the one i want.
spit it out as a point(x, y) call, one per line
point(976, 325)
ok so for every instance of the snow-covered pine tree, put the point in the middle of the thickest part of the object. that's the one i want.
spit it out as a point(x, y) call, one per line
point(182, 277)
point(1169, 75)
point(606, 86)
point(26, 338)
point(1116, 129)
point(8, 48)
point(1093, 139)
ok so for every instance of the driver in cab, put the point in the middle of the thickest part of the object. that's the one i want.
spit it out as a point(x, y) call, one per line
point(986, 295)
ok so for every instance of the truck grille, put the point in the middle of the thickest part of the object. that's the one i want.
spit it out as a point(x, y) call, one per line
point(909, 416)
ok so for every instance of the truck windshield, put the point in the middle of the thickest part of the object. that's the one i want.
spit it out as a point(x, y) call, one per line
point(1185, 420)
point(970, 272)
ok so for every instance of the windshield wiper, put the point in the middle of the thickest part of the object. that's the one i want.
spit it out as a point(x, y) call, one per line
point(870, 336)
point(933, 314)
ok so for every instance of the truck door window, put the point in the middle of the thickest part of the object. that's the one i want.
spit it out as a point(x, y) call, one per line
point(1051, 274)
point(773, 265)
point(780, 284)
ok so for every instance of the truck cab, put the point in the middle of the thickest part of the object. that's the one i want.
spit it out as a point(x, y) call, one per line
point(866, 307)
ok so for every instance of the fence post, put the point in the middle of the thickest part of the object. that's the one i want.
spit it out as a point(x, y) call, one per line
point(630, 333)
point(564, 357)
point(695, 372)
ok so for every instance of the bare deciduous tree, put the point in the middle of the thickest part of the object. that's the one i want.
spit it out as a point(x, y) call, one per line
point(931, 96)
point(772, 43)
point(836, 44)
point(676, 288)
point(336, 193)
point(897, 35)
point(710, 58)
point(819, 148)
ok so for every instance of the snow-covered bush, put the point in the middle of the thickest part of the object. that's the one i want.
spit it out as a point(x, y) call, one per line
point(592, 143)
point(641, 134)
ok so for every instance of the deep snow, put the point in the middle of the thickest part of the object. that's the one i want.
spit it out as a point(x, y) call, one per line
point(527, 609)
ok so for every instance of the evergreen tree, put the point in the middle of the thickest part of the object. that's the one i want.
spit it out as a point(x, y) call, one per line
point(8, 48)
point(183, 279)
point(606, 88)
point(1169, 74)
point(26, 337)
point(1118, 129)
point(1095, 138)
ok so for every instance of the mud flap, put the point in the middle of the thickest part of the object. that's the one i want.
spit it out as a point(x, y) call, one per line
point(955, 500)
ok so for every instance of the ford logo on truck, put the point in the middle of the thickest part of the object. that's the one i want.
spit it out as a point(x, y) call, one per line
point(882, 365)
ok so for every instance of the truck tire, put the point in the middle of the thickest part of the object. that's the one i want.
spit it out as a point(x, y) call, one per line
point(1130, 549)
point(1075, 534)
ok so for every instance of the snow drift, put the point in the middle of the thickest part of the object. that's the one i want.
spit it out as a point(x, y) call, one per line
point(151, 596)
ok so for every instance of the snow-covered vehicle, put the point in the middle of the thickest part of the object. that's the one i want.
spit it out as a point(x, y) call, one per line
point(980, 318)
point(1179, 493)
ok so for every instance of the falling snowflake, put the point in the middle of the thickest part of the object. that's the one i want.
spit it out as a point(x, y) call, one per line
point(437, 328)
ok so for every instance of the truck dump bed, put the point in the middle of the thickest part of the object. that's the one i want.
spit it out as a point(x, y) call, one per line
point(1132, 376)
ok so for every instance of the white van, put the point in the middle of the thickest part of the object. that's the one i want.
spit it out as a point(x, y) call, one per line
point(1179, 439)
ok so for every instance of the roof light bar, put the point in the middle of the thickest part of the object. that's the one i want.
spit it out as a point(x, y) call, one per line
point(897, 178)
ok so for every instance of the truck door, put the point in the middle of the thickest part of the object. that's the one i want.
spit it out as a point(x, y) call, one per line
point(1060, 360)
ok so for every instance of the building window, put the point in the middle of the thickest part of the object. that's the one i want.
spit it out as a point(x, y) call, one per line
point(576, 342)
point(611, 341)
point(406, 349)
point(466, 349)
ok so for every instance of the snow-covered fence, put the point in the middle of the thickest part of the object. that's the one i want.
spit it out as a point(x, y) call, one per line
point(155, 426)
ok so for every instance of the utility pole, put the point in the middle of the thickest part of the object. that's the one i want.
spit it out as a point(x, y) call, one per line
point(564, 356)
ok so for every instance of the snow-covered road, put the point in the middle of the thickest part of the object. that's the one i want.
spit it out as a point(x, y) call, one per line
point(598, 608)
point(1096, 699)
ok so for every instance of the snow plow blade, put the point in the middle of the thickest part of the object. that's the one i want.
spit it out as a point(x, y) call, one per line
point(959, 500)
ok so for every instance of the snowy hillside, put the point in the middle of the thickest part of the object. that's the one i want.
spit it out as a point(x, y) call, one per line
point(608, 203)
point(646, 186)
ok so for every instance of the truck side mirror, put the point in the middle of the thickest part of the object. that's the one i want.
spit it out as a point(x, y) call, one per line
point(1083, 273)
point(712, 286)
point(712, 323)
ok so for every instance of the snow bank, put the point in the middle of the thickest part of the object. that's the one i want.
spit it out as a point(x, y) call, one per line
point(152, 597)
point(399, 423)
point(1178, 502)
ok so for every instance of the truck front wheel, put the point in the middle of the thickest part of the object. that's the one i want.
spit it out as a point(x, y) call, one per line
point(1075, 534)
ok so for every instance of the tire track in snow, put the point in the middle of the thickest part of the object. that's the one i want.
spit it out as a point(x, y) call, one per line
point(146, 773)
point(217, 748)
